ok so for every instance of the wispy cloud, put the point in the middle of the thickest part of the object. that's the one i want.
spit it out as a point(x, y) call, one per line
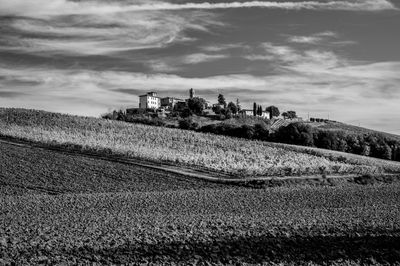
point(59, 7)
point(289, 58)
point(314, 38)
point(305, 39)
point(109, 27)
point(201, 58)
point(103, 35)
point(72, 90)
point(53, 27)
point(224, 47)
point(170, 64)
point(56, 43)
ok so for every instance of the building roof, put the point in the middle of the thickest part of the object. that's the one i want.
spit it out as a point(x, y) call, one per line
point(174, 98)
point(147, 95)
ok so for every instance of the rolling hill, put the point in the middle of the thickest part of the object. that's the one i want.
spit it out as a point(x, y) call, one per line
point(32, 170)
point(67, 208)
point(336, 126)
point(219, 154)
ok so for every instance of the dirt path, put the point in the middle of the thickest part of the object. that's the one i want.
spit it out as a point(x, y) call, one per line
point(203, 175)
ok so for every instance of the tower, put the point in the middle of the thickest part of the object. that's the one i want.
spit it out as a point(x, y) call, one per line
point(191, 93)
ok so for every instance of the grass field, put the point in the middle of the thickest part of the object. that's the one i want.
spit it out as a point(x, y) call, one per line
point(216, 153)
point(57, 208)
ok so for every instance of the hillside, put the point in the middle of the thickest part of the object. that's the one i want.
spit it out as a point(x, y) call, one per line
point(68, 208)
point(330, 125)
point(31, 170)
point(237, 157)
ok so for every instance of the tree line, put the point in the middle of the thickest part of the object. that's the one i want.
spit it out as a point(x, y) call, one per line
point(297, 133)
point(367, 144)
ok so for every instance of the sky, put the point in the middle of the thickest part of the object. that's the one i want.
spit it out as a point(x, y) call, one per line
point(336, 59)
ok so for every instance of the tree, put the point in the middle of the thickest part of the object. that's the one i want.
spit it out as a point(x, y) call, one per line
point(296, 133)
point(261, 131)
point(291, 114)
point(238, 107)
point(217, 109)
point(119, 115)
point(228, 113)
point(246, 131)
point(273, 111)
point(233, 108)
point(259, 110)
point(254, 109)
point(221, 100)
point(196, 105)
point(186, 113)
point(188, 124)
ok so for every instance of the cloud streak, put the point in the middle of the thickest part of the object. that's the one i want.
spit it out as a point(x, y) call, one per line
point(83, 57)
point(63, 7)
point(313, 39)
point(363, 85)
point(61, 32)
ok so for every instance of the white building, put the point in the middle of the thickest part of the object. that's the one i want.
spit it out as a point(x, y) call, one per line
point(249, 112)
point(170, 102)
point(149, 101)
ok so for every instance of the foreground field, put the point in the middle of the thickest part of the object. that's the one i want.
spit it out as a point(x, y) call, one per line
point(217, 153)
point(57, 208)
point(36, 171)
point(353, 225)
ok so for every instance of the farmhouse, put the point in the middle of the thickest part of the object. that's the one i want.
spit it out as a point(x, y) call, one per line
point(149, 101)
point(170, 102)
point(249, 112)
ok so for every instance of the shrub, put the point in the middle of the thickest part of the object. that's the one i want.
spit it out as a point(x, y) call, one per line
point(188, 124)
point(186, 113)
point(261, 131)
point(296, 133)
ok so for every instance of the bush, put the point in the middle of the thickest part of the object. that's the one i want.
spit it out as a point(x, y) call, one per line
point(188, 124)
point(366, 179)
point(184, 124)
point(186, 113)
point(261, 131)
point(296, 133)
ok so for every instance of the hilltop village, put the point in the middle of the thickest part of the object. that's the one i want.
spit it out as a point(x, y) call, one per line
point(264, 124)
point(162, 107)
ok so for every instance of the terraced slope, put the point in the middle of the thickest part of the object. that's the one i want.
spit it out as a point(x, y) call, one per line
point(221, 154)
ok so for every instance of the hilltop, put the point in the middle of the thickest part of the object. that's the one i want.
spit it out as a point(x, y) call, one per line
point(247, 124)
point(338, 126)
